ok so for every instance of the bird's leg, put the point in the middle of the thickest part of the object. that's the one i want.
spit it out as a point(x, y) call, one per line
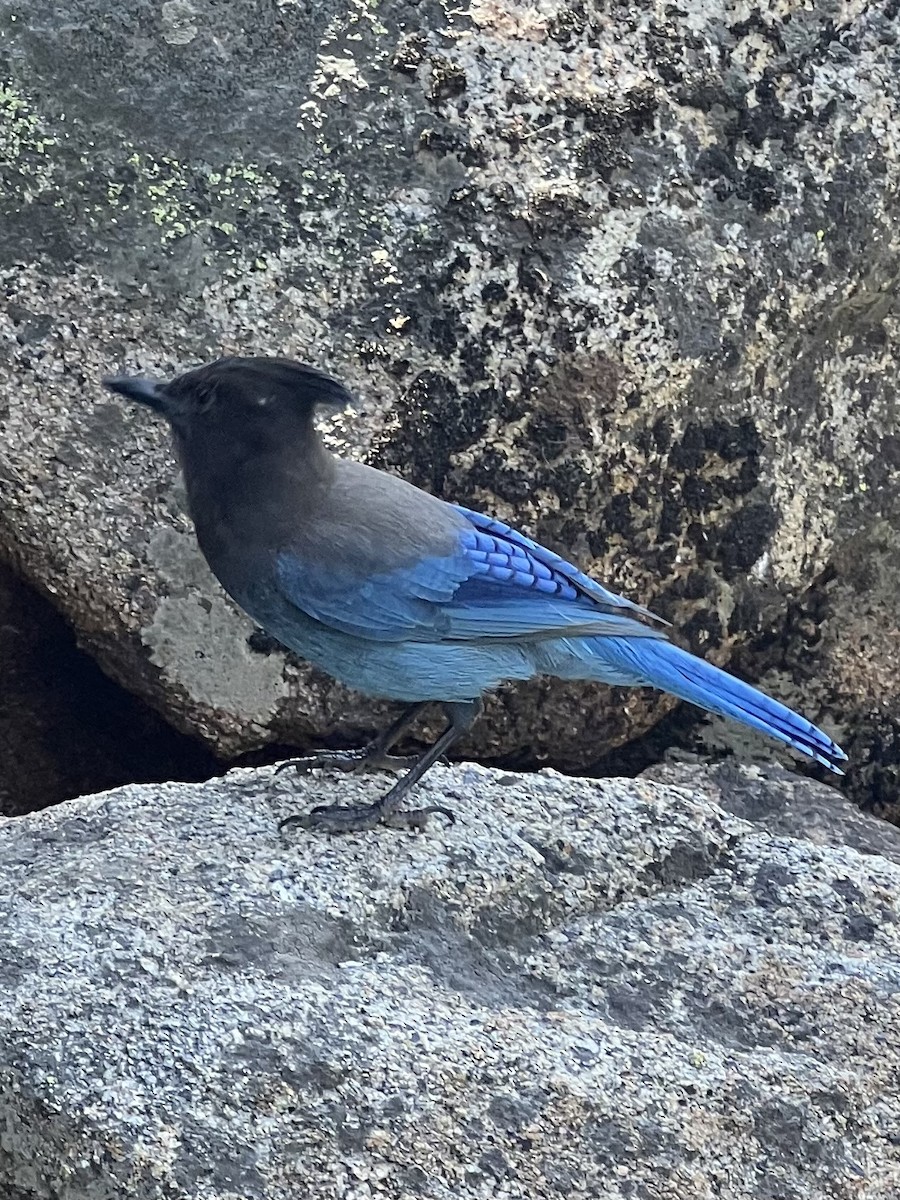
point(373, 757)
point(338, 818)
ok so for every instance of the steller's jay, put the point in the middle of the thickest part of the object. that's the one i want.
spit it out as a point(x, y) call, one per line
point(395, 592)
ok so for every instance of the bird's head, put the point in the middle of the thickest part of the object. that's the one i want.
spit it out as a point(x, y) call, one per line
point(244, 398)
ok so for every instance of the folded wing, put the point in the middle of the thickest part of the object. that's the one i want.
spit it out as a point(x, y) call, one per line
point(494, 583)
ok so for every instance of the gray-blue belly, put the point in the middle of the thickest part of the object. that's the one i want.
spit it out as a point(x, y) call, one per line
point(410, 671)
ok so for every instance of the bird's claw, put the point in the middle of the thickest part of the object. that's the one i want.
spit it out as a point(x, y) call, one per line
point(351, 761)
point(339, 818)
point(417, 818)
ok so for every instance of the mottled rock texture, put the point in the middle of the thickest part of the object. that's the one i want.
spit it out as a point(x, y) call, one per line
point(611, 990)
point(622, 273)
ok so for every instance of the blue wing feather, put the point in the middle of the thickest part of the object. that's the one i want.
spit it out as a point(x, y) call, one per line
point(399, 605)
point(494, 535)
point(497, 584)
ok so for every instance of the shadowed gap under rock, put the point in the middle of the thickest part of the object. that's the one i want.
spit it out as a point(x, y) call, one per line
point(66, 729)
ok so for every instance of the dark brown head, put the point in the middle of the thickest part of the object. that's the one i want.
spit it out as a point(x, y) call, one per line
point(251, 455)
point(248, 400)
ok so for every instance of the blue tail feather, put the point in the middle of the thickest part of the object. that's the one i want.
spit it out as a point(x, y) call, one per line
point(660, 664)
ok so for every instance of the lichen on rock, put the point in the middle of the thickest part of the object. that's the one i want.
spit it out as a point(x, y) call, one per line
point(622, 276)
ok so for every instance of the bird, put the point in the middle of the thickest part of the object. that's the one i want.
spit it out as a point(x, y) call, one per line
point(396, 592)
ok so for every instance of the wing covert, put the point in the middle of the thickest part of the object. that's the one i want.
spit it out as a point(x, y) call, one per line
point(495, 584)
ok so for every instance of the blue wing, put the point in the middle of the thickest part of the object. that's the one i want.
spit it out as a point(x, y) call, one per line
point(495, 536)
point(496, 583)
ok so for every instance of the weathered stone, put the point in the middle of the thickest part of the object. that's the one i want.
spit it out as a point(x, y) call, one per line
point(624, 275)
point(838, 652)
point(783, 803)
point(584, 989)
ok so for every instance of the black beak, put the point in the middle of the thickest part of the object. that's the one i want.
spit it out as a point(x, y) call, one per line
point(144, 391)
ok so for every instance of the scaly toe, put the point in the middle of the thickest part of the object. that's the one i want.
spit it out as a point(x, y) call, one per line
point(339, 818)
point(334, 760)
point(335, 818)
point(417, 818)
point(351, 761)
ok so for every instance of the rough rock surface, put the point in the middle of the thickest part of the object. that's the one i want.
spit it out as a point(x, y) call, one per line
point(623, 273)
point(784, 804)
point(610, 989)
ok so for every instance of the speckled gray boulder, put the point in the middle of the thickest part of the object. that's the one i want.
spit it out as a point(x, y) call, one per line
point(624, 274)
point(583, 989)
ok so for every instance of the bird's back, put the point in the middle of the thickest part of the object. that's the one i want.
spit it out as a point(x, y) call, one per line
point(350, 520)
point(374, 522)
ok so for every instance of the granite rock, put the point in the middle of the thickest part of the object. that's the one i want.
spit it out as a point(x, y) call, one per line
point(594, 989)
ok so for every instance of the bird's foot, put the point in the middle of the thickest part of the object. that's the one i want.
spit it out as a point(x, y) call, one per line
point(339, 818)
point(387, 810)
point(352, 761)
